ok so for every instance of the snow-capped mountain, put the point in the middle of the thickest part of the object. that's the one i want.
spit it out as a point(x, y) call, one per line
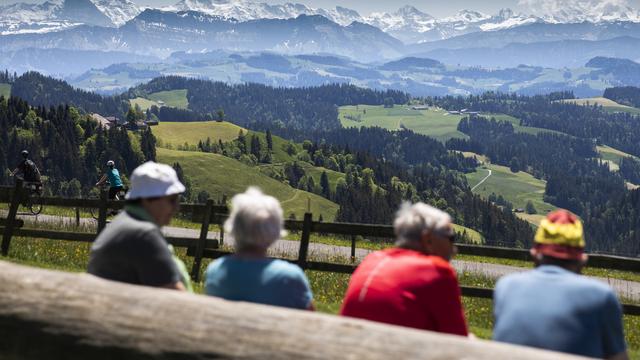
point(577, 11)
point(413, 26)
point(119, 11)
point(246, 10)
point(55, 15)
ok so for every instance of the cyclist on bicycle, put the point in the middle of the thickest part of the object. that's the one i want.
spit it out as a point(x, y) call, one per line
point(27, 170)
point(115, 183)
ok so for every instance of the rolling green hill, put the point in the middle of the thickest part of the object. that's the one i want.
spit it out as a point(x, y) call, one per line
point(173, 98)
point(220, 175)
point(177, 133)
point(607, 104)
point(611, 154)
point(143, 103)
point(517, 188)
point(5, 90)
point(434, 122)
point(437, 123)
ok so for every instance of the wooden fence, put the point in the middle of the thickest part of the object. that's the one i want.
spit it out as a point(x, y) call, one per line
point(209, 213)
point(91, 318)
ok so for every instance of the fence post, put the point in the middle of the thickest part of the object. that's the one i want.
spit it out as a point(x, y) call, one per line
point(353, 248)
point(221, 234)
point(204, 231)
point(304, 240)
point(77, 217)
point(102, 211)
point(11, 217)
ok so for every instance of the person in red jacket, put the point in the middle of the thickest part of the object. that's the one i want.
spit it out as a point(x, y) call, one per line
point(412, 284)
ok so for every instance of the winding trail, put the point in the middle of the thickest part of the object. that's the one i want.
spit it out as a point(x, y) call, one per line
point(289, 248)
point(483, 180)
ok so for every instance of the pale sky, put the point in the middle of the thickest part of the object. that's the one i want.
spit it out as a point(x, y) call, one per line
point(437, 8)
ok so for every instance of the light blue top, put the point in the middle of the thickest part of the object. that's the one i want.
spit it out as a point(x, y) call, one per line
point(259, 280)
point(555, 309)
point(114, 177)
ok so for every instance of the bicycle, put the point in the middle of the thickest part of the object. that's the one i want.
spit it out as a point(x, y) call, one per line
point(95, 195)
point(32, 199)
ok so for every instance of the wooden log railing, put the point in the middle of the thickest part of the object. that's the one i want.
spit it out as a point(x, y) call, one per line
point(200, 248)
point(55, 315)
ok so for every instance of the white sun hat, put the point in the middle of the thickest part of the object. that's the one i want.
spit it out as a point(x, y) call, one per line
point(151, 180)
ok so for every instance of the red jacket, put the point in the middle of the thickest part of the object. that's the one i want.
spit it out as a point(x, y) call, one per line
point(407, 288)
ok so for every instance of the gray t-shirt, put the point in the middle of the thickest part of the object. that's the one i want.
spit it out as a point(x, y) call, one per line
point(132, 250)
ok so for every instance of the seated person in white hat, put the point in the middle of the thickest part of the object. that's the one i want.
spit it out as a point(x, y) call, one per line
point(132, 249)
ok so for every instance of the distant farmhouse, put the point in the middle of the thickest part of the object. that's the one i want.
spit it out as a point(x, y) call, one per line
point(106, 122)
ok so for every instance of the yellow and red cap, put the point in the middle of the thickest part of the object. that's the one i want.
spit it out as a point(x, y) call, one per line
point(560, 235)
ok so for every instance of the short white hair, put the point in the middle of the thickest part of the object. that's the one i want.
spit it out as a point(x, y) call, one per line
point(412, 220)
point(256, 220)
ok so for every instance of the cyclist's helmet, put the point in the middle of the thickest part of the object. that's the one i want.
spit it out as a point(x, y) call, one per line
point(111, 164)
point(25, 154)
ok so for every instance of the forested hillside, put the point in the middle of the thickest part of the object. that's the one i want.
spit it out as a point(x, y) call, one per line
point(627, 95)
point(575, 179)
point(69, 148)
point(254, 105)
point(40, 90)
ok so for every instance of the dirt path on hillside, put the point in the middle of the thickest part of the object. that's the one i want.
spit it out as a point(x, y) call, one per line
point(289, 248)
point(483, 180)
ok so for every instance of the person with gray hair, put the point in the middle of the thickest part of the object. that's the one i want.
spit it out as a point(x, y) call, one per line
point(412, 284)
point(255, 223)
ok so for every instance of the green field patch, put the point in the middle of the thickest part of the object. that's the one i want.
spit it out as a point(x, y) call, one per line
point(143, 103)
point(173, 134)
point(5, 90)
point(436, 123)
point(220, 175)
point(178, 133)
point(519, 128)
point(173, 98)
point(611, 154)
point(517, 188)
point(607, 104)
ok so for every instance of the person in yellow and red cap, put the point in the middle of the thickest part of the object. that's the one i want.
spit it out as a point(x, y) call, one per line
point(553, 307)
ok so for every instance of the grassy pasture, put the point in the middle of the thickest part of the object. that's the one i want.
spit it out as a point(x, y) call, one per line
point(611, 154)
point(519, 128)
point(143, 103)
point(173, 98)
point(518, 188)
point(177, 133)
point(435, 123)
point(220, 175)
point(5, 90)
point(607, 104)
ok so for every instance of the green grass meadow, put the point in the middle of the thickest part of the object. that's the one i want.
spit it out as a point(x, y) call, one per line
point(517, 188)
point(607, 104)
point(173, 98)
point(219, 175)
point(5, 90)
point(178, 133)
point(435, 123)
point(143, 103)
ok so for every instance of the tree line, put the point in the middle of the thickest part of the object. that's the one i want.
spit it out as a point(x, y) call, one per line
point(574, 179)
point(70, 149)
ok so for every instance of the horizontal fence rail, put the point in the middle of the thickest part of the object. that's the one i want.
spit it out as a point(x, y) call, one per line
point(211, 213)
